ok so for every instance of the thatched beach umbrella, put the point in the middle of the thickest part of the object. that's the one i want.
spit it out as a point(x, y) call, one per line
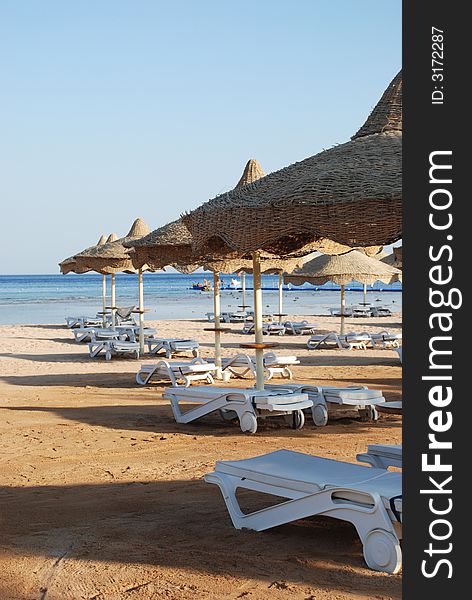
point(172, 245)
point(69, 265)
point(269, 263)
point(351, 194)
point(169, 245)
point(376, 252)
point(252, 172)
point(113, 258)
point(343, 269)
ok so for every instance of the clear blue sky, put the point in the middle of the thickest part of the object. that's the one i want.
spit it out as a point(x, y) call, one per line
point(113, 109)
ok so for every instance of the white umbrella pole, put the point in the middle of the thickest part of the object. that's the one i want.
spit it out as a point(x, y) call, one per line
point(343, 306)
point(365, 294)
point(217, 311)
point(141, 311)
point(104, 299)
point(243, 288)
point(256, 266)
point(280, 296)
point(113, 301)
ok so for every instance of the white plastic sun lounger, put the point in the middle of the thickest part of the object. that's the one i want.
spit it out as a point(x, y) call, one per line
point(336, 312)
point(172, 346)
point(361, 311)
point(357, 340)
point(399, 352)
point(93, 322)
point(384, 339)
point(266, 317)
point(382, 456)
point(99, 341)
point(326, 340)
point(74, 322)
point(238, 316)
point(83, 334)
point(380, 311)
point(113, 348)
point(224, 317)
point(241, 365)
point(343, 342)
point(299, 327)
point(123, 313)
point(186, 372)
point(267, 328)
point(369, 498)
point(245, 404)
point(83, 322)
point(132, 332)
point(327, 399)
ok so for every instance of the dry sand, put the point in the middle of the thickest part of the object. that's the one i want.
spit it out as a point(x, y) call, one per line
point(101, 493)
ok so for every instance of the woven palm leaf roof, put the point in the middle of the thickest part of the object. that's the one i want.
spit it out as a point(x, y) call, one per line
point(387, 114)
point(69, 265)
point(351, 194)
point(112, 257)
point(170, 244)
point(344, 268)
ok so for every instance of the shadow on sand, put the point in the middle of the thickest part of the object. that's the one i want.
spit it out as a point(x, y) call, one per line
point(159, 419)
point(183, 525)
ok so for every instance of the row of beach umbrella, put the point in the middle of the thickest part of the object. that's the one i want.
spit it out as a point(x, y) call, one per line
point(349, 196)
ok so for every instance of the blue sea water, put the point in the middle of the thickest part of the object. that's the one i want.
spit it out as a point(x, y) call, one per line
point(48, 299)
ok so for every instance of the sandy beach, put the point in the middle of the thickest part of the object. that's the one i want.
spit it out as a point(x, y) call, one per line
point(102, 494)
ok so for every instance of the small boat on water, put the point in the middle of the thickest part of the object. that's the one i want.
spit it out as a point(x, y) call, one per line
point(234, 284)
point(204, 286)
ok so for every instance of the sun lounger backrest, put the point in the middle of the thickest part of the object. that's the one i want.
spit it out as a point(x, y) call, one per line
point(300, 472)
point(124, 311)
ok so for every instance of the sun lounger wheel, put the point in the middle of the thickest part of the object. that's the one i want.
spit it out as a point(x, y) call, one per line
point(382, 551)
point(370, 413)
point(373, 413)
point(296, 419)
point(320, 415)
point(248, 423)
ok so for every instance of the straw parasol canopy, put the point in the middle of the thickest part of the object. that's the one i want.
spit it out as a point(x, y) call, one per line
point(351, 194)
point(113, 257)
point(344, 268)
point(170, 244)
point(395, 259)
point(69, 265)
point(173, 245)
